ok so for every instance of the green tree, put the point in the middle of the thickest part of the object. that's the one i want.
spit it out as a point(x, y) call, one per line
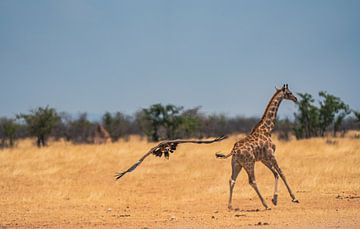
point(8, 128)
point(80, 130)
point(107, 122)
point(331, 113)
point(172, 120)
point(284, 127)
point(307, 118)
point(215, 124)
point(357, 116)
point(118, 125)
point(40, 123)
point(190, 123)
point(60, 130)
point(160, 121)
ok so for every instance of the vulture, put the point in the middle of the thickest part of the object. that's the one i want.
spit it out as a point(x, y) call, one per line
point(165, 148)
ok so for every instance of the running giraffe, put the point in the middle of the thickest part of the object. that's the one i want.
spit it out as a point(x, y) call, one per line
point(257, 146)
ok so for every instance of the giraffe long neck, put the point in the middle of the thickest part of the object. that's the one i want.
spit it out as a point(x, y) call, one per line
point(267, 122)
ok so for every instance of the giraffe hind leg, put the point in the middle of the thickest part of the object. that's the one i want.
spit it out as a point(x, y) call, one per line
point(236, 168)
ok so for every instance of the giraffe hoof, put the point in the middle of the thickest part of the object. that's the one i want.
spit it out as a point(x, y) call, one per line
point(295, 201)
point(230, 207)
point(274, 200)
point(267, 208)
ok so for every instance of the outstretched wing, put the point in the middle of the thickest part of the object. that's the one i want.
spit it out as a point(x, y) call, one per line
point(164, 148)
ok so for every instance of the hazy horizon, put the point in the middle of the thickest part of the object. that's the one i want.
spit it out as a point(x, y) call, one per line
point(227, 57)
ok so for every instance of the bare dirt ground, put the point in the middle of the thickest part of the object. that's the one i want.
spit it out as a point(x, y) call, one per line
point(73, 186)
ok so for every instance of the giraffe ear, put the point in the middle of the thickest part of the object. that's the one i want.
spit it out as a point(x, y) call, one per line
point(276, 88)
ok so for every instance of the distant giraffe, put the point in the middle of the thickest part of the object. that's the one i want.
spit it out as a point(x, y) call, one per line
point(257, 146)
point(101, 135)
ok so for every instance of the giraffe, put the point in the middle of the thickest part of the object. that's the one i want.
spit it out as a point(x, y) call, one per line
point(101, 135)
point(257, 146)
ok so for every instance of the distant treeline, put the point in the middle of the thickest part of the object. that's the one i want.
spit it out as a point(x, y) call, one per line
point(159, 122)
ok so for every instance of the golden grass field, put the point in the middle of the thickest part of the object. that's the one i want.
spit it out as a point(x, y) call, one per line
point(73, 186)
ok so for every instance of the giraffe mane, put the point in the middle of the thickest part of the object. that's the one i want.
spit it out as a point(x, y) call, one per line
point(265, 112)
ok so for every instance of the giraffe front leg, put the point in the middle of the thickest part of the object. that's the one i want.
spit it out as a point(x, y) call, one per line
point(275, 197)
point(276, 175)
point(236, 168)
point(285, 181)
point(251, 174)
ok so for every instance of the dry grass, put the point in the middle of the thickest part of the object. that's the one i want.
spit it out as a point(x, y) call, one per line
point(73, 186)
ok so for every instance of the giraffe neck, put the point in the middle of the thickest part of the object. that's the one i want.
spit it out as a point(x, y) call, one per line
point(267, 122)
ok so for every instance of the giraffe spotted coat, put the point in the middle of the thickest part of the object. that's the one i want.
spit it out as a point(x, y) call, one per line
point(258, 146)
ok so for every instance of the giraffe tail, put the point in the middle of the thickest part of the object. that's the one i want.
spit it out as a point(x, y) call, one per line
point(222, 156)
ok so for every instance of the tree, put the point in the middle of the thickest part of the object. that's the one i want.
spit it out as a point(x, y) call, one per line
point(307, 118)
point(357, 118)
point(357, 115)
point(61, 128)
point(172, 119)
point(338, 122)
point(312, 121)
point(240, 124)
point(8, 128)
point(283, 127)
point(160, 121)
point(190, 123)
point(215, 125)
point(80, 130)
point(40, 123)
point(118, 125)
point(332, 112)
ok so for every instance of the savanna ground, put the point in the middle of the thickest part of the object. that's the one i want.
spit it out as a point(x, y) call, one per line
point(73, 186)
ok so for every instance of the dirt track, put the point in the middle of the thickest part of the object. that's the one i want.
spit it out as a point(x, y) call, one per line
point(72, 187)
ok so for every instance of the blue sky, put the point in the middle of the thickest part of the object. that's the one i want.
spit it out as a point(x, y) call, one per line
point(226, 56)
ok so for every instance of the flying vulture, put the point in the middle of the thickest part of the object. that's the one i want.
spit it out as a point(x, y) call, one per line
point(164, 148)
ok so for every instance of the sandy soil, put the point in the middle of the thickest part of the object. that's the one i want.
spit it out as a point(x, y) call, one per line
point(72, 186)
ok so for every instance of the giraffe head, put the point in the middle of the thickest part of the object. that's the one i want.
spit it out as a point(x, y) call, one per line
point(287, 94)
